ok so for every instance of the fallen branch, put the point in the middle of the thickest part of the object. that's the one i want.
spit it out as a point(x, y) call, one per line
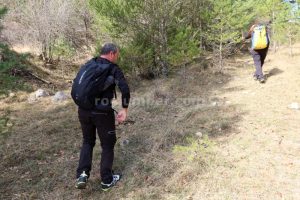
point(22, 72)
point(44, 81)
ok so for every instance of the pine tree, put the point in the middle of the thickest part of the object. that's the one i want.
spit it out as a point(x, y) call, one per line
point(227, 20)
point(155, 29)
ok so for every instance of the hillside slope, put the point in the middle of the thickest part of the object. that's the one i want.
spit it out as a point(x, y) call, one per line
point(249, 148)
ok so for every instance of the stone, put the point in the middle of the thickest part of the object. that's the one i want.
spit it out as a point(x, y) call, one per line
point(41, 93)
point(12, 94)
point(124, 143)
point(294, 106)
point(199, 134)
point(32, 98)
point(59, 96)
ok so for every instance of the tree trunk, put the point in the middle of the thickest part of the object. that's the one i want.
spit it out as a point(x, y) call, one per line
point(220, 51)
point(50, 55)
point(44, 51)
point(291, 45)
point(220, 57)
point(273, 30)
point(85, 20)
point(163, 45)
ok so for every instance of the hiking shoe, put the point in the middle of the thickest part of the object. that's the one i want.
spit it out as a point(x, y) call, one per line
point(81, 181)
point(116, 178)
point(262, 80)
point(255, 78)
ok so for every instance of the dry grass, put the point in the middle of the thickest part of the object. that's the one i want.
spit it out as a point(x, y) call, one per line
point(245, 154)
point(41, 153)
point(260, 160)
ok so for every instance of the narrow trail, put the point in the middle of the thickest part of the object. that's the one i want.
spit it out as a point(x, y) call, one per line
point(261, 158)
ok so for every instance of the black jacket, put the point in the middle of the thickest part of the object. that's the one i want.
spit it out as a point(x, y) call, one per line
point(104, 100)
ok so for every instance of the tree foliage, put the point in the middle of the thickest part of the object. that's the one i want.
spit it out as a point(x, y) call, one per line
point(164, 34)
point(285, 19)
point(227, 20)
point(155, 36)
point(155, 29)
point(44, 24)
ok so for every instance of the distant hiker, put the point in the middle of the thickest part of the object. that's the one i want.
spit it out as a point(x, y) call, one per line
point(93, 90)
point(259, 34)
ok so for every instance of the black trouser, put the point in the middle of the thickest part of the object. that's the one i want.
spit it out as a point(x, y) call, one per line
point(104, 123)
point(259, 59)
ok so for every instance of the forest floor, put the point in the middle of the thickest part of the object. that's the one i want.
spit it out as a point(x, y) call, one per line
point(196, 135)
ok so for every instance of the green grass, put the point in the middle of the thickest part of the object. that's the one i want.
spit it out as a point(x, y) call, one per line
point(11, 60)
point(196, 149)
point(11, 83)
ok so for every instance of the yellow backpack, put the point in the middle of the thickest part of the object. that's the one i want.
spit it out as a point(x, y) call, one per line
point(260, 37)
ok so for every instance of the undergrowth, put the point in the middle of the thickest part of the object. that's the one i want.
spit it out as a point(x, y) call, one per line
point(11, 63)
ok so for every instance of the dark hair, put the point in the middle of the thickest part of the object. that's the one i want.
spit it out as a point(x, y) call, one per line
point(108, 47)
point(261, 20)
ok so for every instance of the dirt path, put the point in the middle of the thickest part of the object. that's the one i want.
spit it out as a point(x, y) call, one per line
point(262, 158)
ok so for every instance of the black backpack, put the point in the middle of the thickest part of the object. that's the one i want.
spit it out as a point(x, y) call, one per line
point(91, 80)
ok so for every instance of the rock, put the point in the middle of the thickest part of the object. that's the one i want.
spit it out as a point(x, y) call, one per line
point(214, 103)
point(124, 142)
point(294, 106)
point(41, 93)
point(32, 98)
point(199, 134)
point(60, 96)
point(12, 94)
point(9, 124)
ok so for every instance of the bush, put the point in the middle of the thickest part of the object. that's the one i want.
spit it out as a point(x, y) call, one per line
point(63, 49)
point(183, 47)
point(136, 60)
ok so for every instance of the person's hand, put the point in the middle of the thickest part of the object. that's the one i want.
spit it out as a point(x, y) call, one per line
point(122, 115)
point(243, 39)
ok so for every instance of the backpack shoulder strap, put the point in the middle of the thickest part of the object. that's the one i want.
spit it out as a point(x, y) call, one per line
point(113, 70)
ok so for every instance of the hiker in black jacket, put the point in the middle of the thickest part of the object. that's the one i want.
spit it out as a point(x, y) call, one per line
point(258, 55)
point(102, 120)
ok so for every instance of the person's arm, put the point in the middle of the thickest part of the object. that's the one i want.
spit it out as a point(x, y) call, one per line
point(249, 34)
point(268, 32)
point(124, 88)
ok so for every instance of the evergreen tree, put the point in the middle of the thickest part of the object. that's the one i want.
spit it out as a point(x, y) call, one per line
point(154, 29)
point(227, 21)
